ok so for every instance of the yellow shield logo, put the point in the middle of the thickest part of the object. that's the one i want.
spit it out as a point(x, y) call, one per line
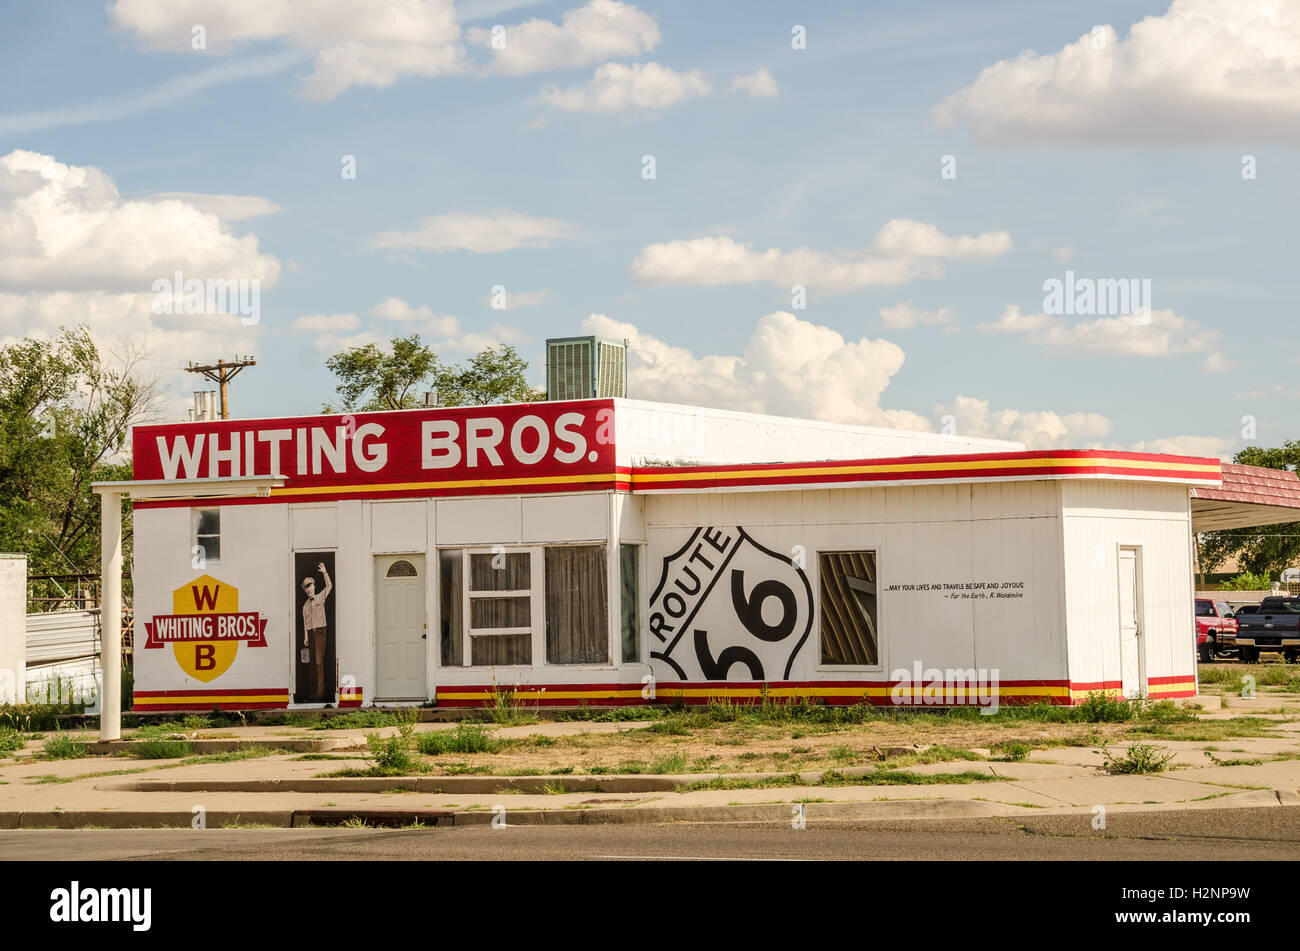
point(205, 660)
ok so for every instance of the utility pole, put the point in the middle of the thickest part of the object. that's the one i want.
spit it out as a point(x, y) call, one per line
point(222, 373)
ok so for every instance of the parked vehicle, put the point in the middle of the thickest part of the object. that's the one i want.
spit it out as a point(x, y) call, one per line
point(1216, 628)
point(1273, 626)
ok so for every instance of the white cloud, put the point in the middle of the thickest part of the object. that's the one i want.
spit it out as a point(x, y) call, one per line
point(902, 250)
point(365, 43)
point(225, 207)
point(1218, 363)
point(1037, 429)
point(326, 323)
point(601, 30)
point(903, 315)
point(1205, 71)
point(395, 317)
point(136, 103)
point(760, 84)
point(65, 227)
point(789, 367)
point(485, 233)
point(1270, 391)
point(72, 251)
point(1214, 447)
point(619, 86)
point(515, 299)
point(1163, 333)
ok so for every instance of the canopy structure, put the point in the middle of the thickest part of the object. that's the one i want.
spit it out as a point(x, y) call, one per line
point(1248, 496)
point(110, 566)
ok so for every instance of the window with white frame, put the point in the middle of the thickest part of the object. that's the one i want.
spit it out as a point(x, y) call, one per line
point(504, 606)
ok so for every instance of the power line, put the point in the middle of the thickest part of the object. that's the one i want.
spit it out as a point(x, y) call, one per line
point(222, 373)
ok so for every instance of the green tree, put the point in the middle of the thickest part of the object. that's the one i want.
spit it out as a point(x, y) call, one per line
point(494, 375)
point(370, 378)
point(65, 412)
point(1259, 549)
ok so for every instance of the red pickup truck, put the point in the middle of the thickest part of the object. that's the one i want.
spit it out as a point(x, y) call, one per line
point(1216, 628)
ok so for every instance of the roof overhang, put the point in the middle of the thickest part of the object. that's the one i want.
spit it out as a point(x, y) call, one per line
point(1249, 496)
point(182, 489)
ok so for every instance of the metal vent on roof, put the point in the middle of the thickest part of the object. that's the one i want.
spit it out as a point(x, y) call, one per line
point(579, 368)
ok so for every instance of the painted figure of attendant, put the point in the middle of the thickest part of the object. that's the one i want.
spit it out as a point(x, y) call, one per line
point(314, 628)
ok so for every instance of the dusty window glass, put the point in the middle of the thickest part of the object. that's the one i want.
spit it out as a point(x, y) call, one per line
point(450, 597)
point(207, 533)
point(629, 583)
point(849, 608)
point(577, 605)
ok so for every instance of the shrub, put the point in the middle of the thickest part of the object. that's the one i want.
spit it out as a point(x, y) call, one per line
point(466, 738)
point(1246, 581)
point(1141, 758)
point(11, 741)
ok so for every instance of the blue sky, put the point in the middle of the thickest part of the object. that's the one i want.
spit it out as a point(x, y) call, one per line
point(1138, 175)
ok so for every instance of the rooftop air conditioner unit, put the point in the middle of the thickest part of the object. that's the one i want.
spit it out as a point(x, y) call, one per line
point(581, 368)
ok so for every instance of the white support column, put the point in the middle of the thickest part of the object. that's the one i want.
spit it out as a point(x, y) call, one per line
point(110, 698)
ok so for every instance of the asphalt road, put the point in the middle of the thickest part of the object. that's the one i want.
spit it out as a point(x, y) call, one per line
point(1198, 835)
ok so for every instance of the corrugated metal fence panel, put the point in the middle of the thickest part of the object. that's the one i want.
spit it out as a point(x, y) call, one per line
point(61, 635)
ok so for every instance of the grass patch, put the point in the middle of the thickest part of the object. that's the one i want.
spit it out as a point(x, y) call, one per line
point(466, 738)
point(63, 746)
point(161, 749)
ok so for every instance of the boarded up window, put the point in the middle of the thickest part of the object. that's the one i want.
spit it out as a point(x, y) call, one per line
point(577, 611)
point(849, 632)
point(450, 597)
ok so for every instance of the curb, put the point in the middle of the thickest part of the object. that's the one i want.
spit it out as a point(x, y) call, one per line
point(899, 810)
point(313, 745)
point(486, 785)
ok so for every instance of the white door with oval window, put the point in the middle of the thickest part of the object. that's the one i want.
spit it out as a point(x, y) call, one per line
point(401, 630)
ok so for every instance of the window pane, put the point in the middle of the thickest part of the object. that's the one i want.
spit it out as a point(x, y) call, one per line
point(629, 577)
point(210, 545)
point(489, 613)
point(497, 649)
point(499, 572)
point(449, 594)
point(209, 522)
point(577, 612)
point(402, 569)
point(848, 607)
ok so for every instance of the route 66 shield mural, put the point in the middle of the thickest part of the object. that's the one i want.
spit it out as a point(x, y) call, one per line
point(727, 608)
point(205, 628)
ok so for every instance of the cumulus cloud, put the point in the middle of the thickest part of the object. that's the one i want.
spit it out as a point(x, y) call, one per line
point(617, 87)
point(225, 207)
point(902, 250)
point(394, 317)
point(760, 84)
point(1163, 333)
point(73, 251)
point(326, 323)
point(485, 233)
point(789, 367)
point(65, 227)
point(368, 43)
point(903, 315)
point(513, 300)
point(601, 30)
point(1214, 447)
point(1037, 429)
point(1205, 71)
point(1218, 363)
